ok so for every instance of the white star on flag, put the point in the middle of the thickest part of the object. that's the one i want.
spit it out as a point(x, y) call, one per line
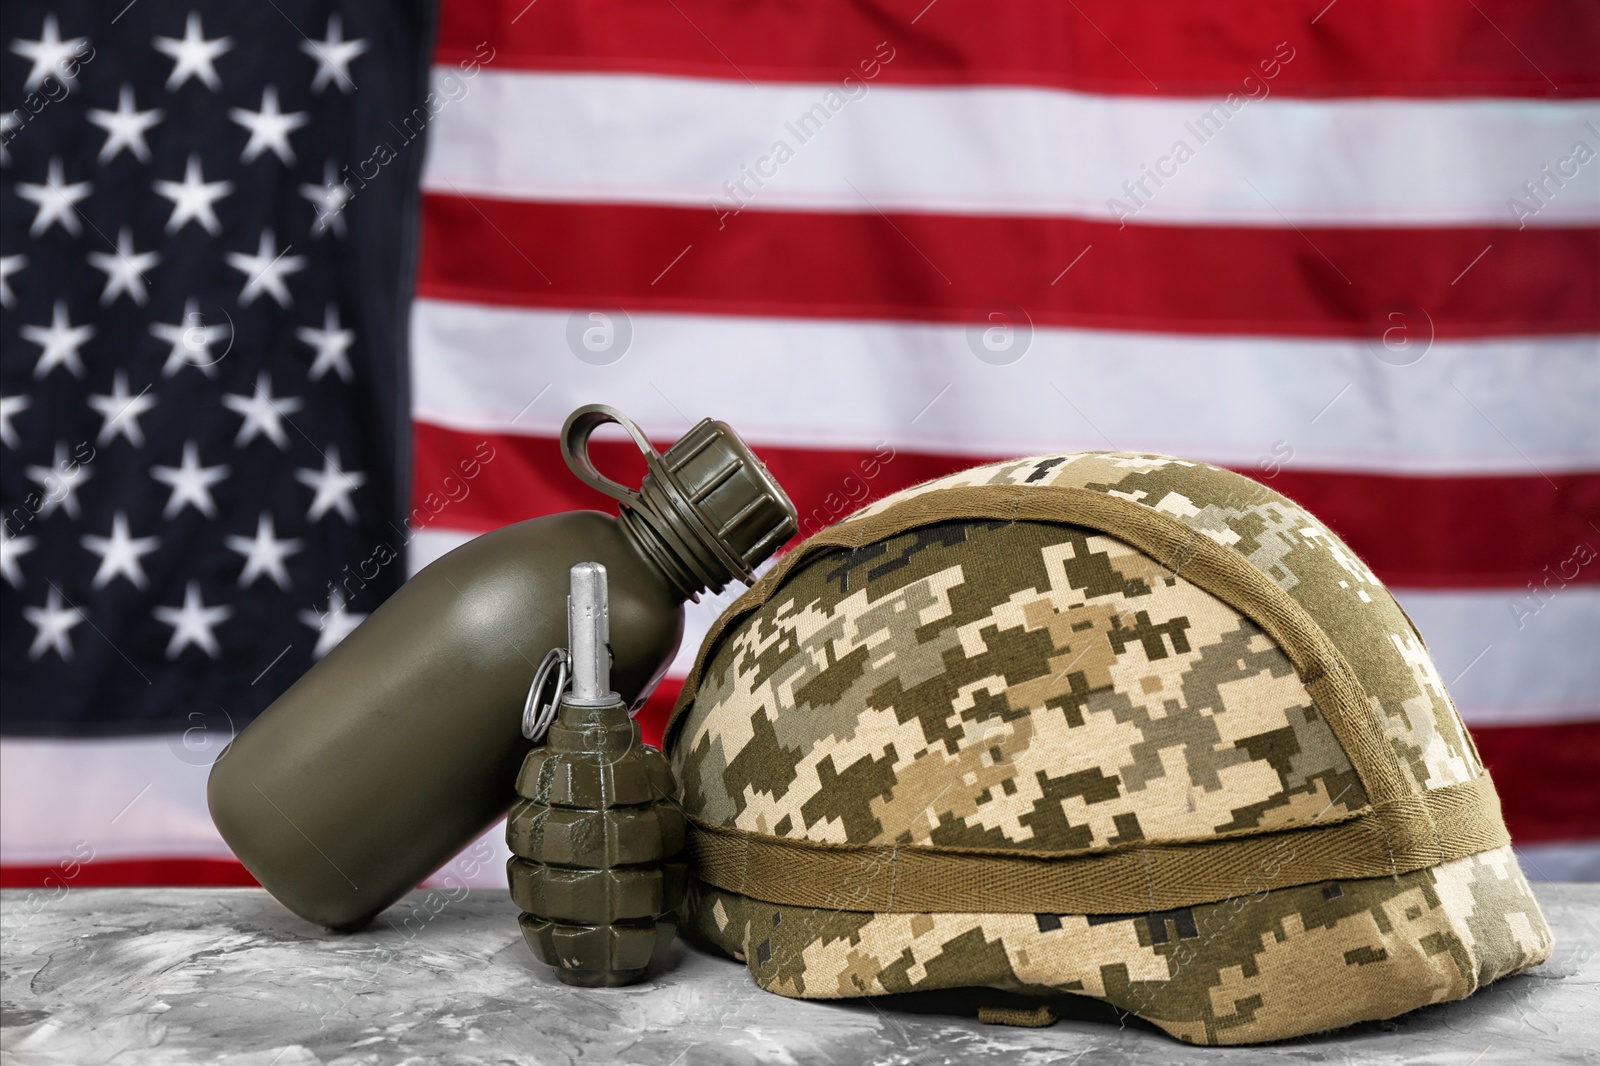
point(50, 56)
point(332, 345)
point(12, 549)
point(60, 482)
point(124, 271)
point(193, 56)
point(193, 623)
point(262, 412)
point(269, 127)
point(265, 553)
point(191, 341)
point(332, 625)
point(194, 198)
point(53, 623)
point(120, 553)
point(265, 271)
point(125, 127)
point(332, 486)
point(10, 407)
point(55, 200)
point(9, 265)
point(333, 56)
point(330, 199)
point(8, 122)
point(120, 411)
point(190, 483)
point(60, 341)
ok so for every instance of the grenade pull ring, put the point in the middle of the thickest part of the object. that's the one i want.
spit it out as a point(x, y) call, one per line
point(596, 831)
point(538, 710)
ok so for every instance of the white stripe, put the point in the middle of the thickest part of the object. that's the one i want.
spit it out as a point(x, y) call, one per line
point(429, 544)
point(113, 798)
point(990, 150)
point(1511, 406)
point(1543, 672)
point(1575, 861)
point(1511, 659)
point(104, 799)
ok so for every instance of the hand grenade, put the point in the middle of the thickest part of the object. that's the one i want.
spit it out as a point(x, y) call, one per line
point(595, 827)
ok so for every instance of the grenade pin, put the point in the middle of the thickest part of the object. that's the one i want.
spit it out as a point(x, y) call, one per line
point(595, 829)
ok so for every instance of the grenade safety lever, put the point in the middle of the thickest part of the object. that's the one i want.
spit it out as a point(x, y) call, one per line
point(595, 829)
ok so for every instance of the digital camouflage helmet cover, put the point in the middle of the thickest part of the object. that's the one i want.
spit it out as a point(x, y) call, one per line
point(1113, 724)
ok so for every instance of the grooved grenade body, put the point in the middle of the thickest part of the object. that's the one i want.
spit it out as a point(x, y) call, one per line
point(595, 832)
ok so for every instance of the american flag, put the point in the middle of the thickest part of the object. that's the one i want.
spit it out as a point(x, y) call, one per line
point(205, 415)
point(1351, 249)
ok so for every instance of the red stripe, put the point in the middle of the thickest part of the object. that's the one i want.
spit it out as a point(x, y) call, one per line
point(1432, 48)
point(1415, 532)
point(652, 717)
point(1187, 279)
point(1548, 777)
point(1453, 532)
point(63, 877)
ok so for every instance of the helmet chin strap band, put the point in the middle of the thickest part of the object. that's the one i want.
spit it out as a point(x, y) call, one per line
point(1131, 878)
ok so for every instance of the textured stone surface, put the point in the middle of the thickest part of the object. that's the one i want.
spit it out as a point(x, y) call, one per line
point(228, 976)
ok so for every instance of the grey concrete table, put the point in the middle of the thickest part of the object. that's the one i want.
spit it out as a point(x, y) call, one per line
point(228, 976)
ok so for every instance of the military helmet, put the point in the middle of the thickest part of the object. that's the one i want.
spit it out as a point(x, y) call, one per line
point(1121, 725)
